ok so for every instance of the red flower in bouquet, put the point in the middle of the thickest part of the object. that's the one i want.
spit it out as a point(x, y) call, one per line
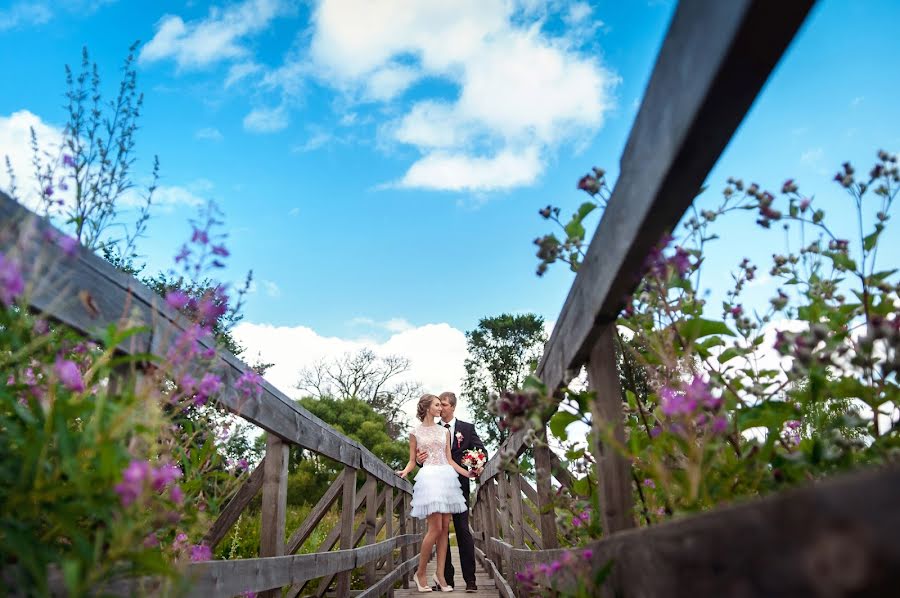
point(473, 459)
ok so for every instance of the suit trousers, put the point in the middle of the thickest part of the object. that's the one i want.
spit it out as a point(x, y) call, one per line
point(466, 545)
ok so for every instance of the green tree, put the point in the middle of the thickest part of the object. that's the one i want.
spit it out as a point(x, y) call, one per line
point(310, 473)
point(503, 350)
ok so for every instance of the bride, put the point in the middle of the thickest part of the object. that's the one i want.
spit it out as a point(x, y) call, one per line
point(437, 492)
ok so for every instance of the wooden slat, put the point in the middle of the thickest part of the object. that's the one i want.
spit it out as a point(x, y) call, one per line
point(613, 469)
point(560, 472)
point(544, 504)
point(316, 515)
point(515, 511)
point(714, 61)
point(404, 529)
point(348, 498)
point(228, 578)
point(371, 522)
point(274, 502)
point(229, 515)
point(57, 283)
point(389, 509)
point(502, 585)
point(386, 584)
point(837, 537)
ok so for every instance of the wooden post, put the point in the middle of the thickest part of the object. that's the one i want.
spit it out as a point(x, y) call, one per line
point(389, 531)
point(371, 522)
point(613, 470)
point(274, 502)
point(546, 510)
point(348, 499)
point(492, 520)
point(515, 510)
point(404, 529)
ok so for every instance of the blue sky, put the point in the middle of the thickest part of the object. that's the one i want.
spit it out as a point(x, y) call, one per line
point(381, 164)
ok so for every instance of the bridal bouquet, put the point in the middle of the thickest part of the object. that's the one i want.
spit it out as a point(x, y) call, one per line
point(473, 459)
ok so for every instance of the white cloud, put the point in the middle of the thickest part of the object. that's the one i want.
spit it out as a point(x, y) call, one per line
point(294, 212)
point(23, 14)
point(317, 140)
point(241, 71)
point(462, 172)
point(267, 120)
point(209, 133)
point(578, 12)
point(391, 325)
point(15, 144)
point(521, 92)
point(813, 156)
point(272, 289)
point(220, 36)
point(436, 353)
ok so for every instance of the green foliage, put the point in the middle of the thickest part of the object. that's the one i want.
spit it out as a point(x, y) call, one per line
point(503, 350)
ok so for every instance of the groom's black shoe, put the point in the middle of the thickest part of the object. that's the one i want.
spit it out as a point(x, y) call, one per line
point(471, 587)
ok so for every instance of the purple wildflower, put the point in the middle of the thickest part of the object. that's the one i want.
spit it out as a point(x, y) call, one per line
point(151, 541)
point(587, 554)
point(649, 483)
point(250, 385)
point(674, 402)
point(576, 521)
point(697, 393)
point(132, 484)
point(681, 261)
point(243, 464)
point(68, 374)
point(737, 311)
point(183, 254)
point(68, 161)
point(201, 552)
point(719, 425)
point(11, 283)
point(69, 245)
point(209, 385)
point(48, 190)
point(176, 494)
point(164, 475)
point(177, 299)
point(220, 250)
point(200, 236)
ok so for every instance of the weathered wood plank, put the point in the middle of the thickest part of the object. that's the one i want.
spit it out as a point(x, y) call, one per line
point(714, 61)
point(837, 537)
point(544, 503)
point(502, 585)
point(274, 502)
point(386, 584)
point(232, 511)
point(517, 519)
point(56, 284)
point(607, 418)
point(371, 522)
point(228, 578)
point(389, 509)
point(405, 528)
point(316, 514)
point(348, 498)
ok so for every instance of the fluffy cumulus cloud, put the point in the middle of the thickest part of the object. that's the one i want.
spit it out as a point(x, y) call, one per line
point(521, 91)
point(436, 352)
point(218, 37)
point(15, 145)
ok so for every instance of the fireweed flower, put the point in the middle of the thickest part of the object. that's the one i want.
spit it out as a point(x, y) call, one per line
point(68, 161)
point(220, 250)
point(177, 299)
point(132, 485)
point(201, 552)
point(200, 237)
point(250, 385)
point(11, 283)
point(68, 374)
point(164, 475)
point(176, 494)
point(209, 385)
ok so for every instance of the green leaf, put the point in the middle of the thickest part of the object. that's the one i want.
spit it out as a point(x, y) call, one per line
point(574, 229)
point(560, 421)
point(585, 209)
point(728, 354)
point(572, 455)
point(770, 414)
point(582, 486)
point(871, 240)
point(691, 330)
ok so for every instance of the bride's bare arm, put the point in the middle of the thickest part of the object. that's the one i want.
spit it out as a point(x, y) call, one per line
point(412, 458)
point(461, 470)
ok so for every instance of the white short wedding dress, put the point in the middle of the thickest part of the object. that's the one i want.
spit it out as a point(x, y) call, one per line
point(437, 488)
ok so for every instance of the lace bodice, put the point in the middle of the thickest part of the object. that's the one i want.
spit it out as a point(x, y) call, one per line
point(434, 440)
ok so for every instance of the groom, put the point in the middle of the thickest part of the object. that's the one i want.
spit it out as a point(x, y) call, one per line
point(462, 438)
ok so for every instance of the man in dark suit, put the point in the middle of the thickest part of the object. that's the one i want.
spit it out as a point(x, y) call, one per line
point(462, 438)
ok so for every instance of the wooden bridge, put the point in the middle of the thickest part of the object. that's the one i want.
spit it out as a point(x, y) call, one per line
point(833, 539)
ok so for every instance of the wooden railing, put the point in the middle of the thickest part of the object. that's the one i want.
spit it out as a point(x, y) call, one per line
point(88, 294)
point(836, 538)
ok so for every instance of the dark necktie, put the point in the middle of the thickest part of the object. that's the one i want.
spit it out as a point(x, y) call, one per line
point(447, 426)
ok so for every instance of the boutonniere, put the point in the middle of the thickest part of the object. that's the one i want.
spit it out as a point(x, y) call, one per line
point(459, 439)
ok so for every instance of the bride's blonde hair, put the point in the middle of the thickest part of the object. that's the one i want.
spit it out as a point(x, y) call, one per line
point(424, 404)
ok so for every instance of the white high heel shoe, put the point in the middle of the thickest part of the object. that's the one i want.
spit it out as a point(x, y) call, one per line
point(438, 584)
point(419, 586)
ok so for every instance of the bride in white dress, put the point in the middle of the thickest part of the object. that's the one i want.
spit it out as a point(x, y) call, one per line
point(437, 492)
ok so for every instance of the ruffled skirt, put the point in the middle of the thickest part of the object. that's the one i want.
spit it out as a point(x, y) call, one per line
point(437, 490)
